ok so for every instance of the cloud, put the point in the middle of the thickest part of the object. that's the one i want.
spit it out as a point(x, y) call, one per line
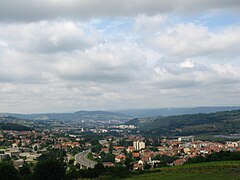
point(196, 40)
point(187, 64)
point(181, 76)
point(49, 37)
point(54, 57)
point(27, 10)
point(148, 24)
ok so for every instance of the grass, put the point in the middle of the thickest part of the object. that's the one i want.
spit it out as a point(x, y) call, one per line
point(226, 170)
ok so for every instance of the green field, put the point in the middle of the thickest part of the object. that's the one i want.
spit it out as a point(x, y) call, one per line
point(227, 170)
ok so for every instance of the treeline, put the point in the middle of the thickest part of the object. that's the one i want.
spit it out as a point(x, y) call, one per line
point(53, 165)
point(218, 156)
point(50, 169)
point(14, 127)
point(56, 170)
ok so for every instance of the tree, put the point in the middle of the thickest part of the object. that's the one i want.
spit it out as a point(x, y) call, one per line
point(165, 160)
point(99, 166)
point(110, 147)
point(147, 166)
point(25, 171)
point(8, 171)
point(153, 149)
point(128, 162)
point(118, 172)
point(218, 156)
point(94, 141)
point(107, 157)
point(72, 173)
point(96, 148)
point(48, 170)
point(55, 154)
point(71, 161)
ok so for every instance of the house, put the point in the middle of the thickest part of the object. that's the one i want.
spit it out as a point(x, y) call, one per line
point(179, 162)
point(146, 159)
point(104, 143)
point(18, 163)
point(161, 148)
point(106, 150)
point(12, 151)
point(135, 154)
point(88, 144)
point(14, 145)
point(115, 153)
point(130, 149)
point(186, 150)
point(137, 166)
point(108, 164)
point(121, 148)
point(141, 162)
point(230, 144)
point(36, 146)
point(120, 158)
point(70, 144)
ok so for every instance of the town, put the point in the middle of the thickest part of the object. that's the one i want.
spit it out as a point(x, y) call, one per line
point(110, 145)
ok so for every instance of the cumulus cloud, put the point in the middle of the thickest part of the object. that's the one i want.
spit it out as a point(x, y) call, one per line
point(196, 40)
point(198, 76)
point(47, 37)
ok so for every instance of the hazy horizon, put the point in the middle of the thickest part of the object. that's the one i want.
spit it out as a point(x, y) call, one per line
point(129, 109)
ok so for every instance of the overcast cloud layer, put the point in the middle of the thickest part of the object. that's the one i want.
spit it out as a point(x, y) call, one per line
point(61, 56)
point(28, 10)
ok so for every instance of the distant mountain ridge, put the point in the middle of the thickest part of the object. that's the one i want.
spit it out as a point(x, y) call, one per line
point(79, 115)
point(175, 111)
point(123, 115)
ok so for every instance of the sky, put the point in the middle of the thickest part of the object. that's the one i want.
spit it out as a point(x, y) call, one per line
point(64, 56)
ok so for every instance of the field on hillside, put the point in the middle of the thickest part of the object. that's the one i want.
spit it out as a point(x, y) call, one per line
point(227, 170)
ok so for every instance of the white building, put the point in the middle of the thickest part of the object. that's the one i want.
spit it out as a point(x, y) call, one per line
point(232, 144)
point(138, 145)
point(186, 139)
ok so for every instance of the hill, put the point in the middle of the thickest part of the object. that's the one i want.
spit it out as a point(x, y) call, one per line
point(138, 113)
point(76, 116)
point(14, 127)
point(226, 122)
point(211, 170)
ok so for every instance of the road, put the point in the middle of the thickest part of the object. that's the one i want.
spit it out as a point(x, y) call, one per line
point(81, 158)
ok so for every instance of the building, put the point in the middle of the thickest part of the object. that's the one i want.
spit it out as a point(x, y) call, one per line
point(104, 143)
point(138, 145)
point(232, 144)
point(120, 158)
point(186, 139)
point(130, 149)
point(108, 164)
point(179, 162)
